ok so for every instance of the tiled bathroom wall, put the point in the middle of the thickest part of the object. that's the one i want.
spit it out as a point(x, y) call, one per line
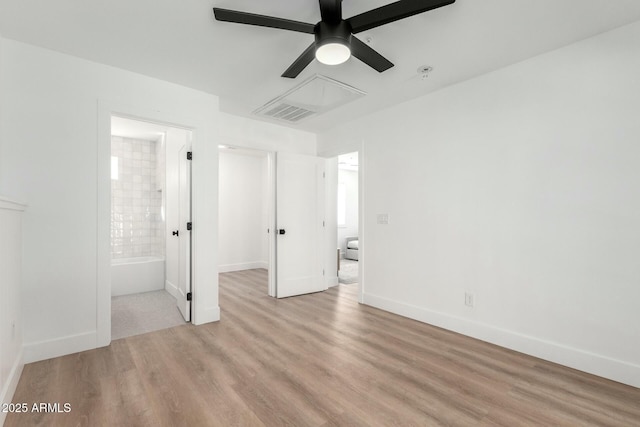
point(137, 223)
point(161, 173)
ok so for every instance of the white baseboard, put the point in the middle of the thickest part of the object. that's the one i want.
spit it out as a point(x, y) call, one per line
point(243, 266)
point(35, 352)
point(9, 388)
point(582, 360)
point(171, 288)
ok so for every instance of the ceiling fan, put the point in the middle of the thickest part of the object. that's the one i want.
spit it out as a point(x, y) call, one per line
point(334, 41)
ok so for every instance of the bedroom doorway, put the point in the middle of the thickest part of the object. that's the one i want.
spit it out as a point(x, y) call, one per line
point(245, 219)
point(150, 195)
point(253, 185)
point(348, 219)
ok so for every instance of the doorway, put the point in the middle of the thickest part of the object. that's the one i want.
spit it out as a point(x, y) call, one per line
point(150, 237)
point(348, 219)
point(245, 211)
point(258, 189)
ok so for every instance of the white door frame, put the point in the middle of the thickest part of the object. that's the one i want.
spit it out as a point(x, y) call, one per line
point(103, 240)
point(271, 200)
point(346, 149)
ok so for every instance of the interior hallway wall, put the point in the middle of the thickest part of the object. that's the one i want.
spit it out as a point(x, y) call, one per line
point(11, 318)
point(11, 360)
point(242, 211)
point(519, 186)
point(241, 132)
point(49, 157)
point(3, 97)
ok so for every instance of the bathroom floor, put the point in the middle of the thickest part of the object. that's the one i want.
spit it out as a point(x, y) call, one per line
point(141, 313)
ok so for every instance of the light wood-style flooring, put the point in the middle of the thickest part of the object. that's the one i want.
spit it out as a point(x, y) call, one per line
point(314, 360)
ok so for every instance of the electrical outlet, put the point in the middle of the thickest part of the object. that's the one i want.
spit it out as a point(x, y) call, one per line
point(469, 299)
point(383, 219)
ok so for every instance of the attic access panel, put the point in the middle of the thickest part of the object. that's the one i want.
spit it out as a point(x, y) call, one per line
point(315, 95)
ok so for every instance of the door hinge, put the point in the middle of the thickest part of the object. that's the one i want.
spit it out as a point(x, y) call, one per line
point(323, 223)
point(323, 175)
point(323, 271)
point(189, 296)
point(189, 226)
point(189, 155)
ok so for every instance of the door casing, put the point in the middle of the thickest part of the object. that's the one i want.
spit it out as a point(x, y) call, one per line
point(103, 241)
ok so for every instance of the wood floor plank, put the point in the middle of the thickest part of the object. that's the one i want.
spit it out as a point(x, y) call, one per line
point(314, 360)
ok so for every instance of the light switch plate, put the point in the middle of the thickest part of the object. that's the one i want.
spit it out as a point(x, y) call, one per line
point(383, 218)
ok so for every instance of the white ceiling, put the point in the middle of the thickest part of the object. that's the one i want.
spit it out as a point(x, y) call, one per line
point(179, 41)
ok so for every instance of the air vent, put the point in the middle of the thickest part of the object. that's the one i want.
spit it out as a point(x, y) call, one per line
point(316, 95)
point(288, 112)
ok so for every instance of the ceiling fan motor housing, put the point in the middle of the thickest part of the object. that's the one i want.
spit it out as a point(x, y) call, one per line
point(332, 33)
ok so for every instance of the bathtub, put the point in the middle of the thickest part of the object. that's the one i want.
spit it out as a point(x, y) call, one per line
point(136, 275)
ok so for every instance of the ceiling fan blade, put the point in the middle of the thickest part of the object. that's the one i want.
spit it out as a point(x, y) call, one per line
point(331, 11)
point(261, 20)
point(301, 63)
point(369, 56)
point(393, 12)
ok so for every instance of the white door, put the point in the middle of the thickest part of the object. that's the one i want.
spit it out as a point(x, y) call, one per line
point(299, 219)
point(184, 218)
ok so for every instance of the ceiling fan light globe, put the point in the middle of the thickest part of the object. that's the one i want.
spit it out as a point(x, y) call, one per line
point(333, 53)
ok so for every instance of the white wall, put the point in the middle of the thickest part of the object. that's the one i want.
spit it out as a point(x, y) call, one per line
point(350, 180)
point(520, 186)
point(50, 154)
point(242, 211)
point(11, 361)
point(242, 132)
point(11, 355)
point(2, 100)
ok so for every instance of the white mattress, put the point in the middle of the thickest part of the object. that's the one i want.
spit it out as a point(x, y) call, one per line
point(352, 244)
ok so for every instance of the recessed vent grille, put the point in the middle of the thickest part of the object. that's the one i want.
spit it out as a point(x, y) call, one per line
point(288, 112)
point(313, 96)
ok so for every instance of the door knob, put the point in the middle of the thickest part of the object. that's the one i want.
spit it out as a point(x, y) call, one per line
point(176, 233)
point(281, 231)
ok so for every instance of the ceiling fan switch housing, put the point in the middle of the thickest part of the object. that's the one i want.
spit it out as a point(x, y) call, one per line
point(333, 33)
